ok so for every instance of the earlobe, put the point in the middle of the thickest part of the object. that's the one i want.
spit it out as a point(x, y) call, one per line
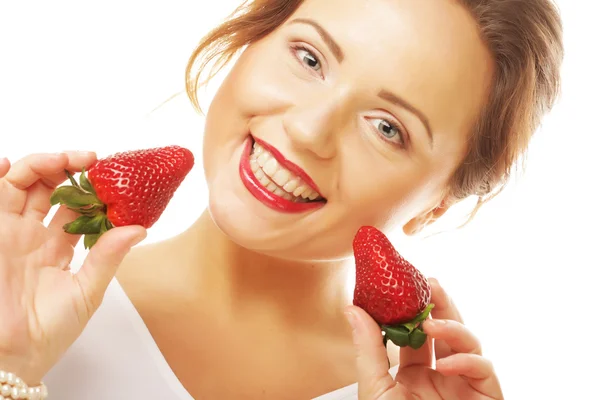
point(418, 223)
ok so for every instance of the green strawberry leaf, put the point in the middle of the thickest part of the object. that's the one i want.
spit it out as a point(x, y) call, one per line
point(399, 335)
point(86, 224)
point(73, 181)
point(90, 240)
point(73, 197)
point(417, 338)
point(85, 183)
point(423, 316)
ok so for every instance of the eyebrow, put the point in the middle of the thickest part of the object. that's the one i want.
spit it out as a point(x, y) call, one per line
point(384, 94)
point(397, 100)
point(326, 36)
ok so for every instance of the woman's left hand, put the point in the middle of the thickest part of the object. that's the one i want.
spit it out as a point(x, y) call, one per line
point(461, 372)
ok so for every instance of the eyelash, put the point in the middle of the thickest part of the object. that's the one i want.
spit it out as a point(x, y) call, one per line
point(300, 47)
point(402, 136)
point(401, 133)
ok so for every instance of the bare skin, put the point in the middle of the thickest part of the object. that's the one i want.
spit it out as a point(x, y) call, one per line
point(237, 303)
point(239, 286)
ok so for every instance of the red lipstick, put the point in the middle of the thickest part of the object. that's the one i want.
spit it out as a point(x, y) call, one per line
point(289, 165)
point(265, 196)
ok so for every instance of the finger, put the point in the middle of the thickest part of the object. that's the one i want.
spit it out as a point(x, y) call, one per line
point(478, 371)
point(444, 309)
point(455, 335)
point(422, 356)
point(374, 379)
point(63, 216)
point(100, 265)
point(23, 174)
point(38, 204)
point(4, 166)
point(444, 306)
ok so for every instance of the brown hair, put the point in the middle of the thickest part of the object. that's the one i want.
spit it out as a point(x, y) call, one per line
point(524, 38)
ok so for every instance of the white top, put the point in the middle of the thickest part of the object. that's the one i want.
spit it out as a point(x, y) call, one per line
point(116, 358)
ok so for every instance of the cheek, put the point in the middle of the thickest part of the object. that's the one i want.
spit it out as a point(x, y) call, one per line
point(262, 81)
point(382, 193)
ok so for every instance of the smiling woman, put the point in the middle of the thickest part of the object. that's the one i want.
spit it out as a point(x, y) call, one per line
point(335, 115)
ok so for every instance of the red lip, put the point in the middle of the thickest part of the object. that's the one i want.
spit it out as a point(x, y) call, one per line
point(287, 164)
point(265, 196)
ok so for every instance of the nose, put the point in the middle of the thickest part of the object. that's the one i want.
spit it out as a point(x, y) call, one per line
point(315, 125)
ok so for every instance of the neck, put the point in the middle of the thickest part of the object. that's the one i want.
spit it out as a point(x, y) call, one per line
point(247, 283)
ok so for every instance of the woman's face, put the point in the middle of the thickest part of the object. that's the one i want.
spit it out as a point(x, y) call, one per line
point(370, 102)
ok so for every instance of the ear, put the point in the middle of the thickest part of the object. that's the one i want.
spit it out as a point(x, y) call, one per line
point(419, 222)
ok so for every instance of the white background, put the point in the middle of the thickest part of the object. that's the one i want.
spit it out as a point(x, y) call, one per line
point(85, 75)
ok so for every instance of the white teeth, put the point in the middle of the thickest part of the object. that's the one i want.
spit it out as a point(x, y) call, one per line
point(278, 179)
point(263, 158)
point(257, 149)
point(291, 185)
point(264, 180)
point(282, 176)
point(270, 167)
point(259, 174)
point(299, 190)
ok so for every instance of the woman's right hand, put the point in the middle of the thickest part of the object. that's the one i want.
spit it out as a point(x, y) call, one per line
point(44, 307)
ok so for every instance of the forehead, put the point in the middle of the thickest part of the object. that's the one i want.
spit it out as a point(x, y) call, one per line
point(429, 51)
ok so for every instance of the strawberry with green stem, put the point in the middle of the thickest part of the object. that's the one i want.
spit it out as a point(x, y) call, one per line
point(127, 188)
point(390, 289)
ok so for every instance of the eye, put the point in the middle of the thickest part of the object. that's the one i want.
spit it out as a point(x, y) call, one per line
point(308, 58)
point(389, 130)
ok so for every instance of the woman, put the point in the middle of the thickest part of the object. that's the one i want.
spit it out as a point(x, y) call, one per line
point(395, 109)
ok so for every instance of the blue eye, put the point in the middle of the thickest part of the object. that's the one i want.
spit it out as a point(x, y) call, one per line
point(308, 58)
point(389, 130)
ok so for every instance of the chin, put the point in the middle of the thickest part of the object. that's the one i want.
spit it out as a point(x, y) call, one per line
point(248, 203)
point(267, 237)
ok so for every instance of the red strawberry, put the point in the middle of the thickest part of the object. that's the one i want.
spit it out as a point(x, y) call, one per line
point(128, 188)
point(390, 289)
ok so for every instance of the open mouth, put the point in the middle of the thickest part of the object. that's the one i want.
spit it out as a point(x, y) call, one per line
point(278, 179)
point(275, 181)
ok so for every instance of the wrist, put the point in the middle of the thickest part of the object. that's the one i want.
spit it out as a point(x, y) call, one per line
point(14, 387)
point(27, 371)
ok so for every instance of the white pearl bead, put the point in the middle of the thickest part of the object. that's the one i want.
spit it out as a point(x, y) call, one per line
point(19, 382)
point(5, 390)
point(23, 392)
point(10, 378)
point(14, 392)
point(2, 397)
point(44, 392)
point(2, 377)
point(32, 394)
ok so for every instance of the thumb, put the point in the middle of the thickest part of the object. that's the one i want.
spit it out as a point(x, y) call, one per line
point(100, 265)
point(374, 379)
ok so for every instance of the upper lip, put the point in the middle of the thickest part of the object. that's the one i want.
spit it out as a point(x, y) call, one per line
point(289, 165)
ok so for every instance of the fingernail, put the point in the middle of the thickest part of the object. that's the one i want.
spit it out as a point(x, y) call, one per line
point(81, 152)
point(138, 238)
point(436, 322)
point(353, 324)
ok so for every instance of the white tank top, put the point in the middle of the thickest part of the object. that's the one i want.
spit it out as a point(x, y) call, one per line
point(116, 358)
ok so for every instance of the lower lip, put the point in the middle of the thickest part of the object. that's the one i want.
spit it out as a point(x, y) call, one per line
point(265, 196)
